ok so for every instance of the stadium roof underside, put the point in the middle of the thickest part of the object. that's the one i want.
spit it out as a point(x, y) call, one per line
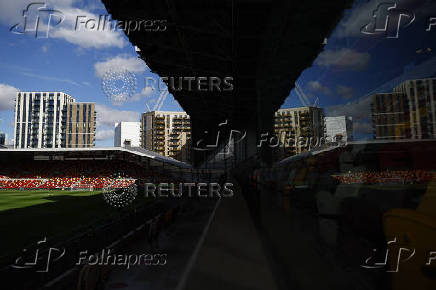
point(415, 149)
point(105, 153)
point(263, 44)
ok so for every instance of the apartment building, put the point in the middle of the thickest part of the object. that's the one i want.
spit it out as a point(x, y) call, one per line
point(420, 107)
point(408, 112)
point(338, 129)
point(299, 129)
point(127, 134)
point(42, 120)
point(390, 116)
point(167, 133)
point(80, 125)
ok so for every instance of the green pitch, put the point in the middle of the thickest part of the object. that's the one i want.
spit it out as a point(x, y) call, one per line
point(10, 199)
point(28, 216)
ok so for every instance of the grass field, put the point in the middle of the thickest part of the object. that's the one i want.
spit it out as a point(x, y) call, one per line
point(28, 216)
point(18, 199)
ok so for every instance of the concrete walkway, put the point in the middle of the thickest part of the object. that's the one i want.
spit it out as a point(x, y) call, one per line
point(232, 256)
point(177, 242)
point(229, 256)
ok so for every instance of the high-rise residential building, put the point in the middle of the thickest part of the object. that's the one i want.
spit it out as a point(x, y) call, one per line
point(127, 134)
point(43, 119)
point(80, 125)
point(390, 116)
point(421, 107)
point(339, 128)
point(299, 129)
point(167, 133)
point(409, 112)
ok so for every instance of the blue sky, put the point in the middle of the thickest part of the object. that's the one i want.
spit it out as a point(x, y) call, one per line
point(71, 64)
point(354, 64)
point(351, 65)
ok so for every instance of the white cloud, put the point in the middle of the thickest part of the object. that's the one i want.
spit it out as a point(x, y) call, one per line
point(11, 14)
point(360, 15)
point(104, 134)
point(345, 92)
point(11, 11)
point(107, 116)
point(85, 38)
point(106, 119)
point(360, 110)
point(316, 86)
point(120, 63)
point(145, 93)
point(343, 59)
point(90, 39)
point(7, 97)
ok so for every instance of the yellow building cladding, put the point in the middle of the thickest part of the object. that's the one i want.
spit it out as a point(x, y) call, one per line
point(167, 133)
point(390, 116)
point(299, 129)
point(409, 112)
point(80, 125)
